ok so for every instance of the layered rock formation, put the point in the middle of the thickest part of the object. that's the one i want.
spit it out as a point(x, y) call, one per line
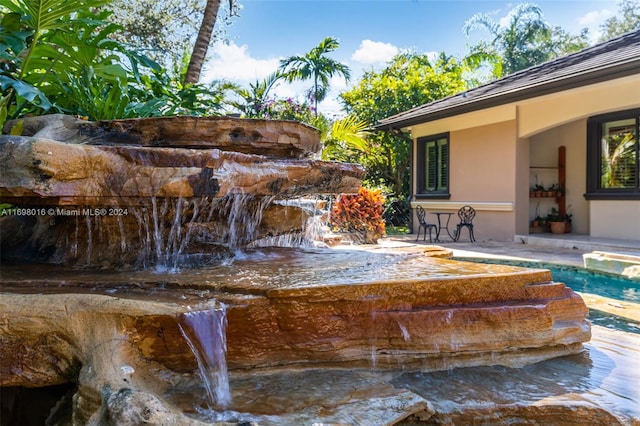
point(438, 314)
point(124, 191)
point(47, 172)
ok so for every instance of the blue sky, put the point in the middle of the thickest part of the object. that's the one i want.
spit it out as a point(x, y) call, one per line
point(370, 33)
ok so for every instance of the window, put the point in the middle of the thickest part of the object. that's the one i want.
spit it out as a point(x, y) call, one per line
point(433, 166)
point(613, 150)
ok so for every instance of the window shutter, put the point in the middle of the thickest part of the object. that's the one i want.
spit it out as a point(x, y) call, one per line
point(431, 165)
point(443, 164)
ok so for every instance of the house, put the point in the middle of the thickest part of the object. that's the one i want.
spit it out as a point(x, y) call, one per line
point(571, 123)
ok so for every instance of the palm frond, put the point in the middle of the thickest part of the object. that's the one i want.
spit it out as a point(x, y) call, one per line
point(481, 21)
point(351, 131)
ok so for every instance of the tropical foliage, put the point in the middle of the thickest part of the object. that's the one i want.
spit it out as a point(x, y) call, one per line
point(255, 101)
point(361, 214)
point(43, 44)
point(315, 66)
point(627, 19)
point(164, 93)
point(525, 41)
point(346, 138)
point(408, 81)
point(58, 56)
point(619, 160)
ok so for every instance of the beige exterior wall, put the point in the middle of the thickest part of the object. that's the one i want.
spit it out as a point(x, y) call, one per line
point(615, 219)
point(549, 111)
point(482, 174)
point(522, 186)
point(492, 152)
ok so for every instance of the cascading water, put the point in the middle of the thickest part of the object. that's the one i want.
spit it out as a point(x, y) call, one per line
point(165, 193)
point(205, 332)
point(244, 214)
point(313, 226)
point(165, 234)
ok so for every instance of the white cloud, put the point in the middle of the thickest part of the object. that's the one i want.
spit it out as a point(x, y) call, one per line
point(592, 21)
point(374, 52)
point(332, 106)
point(505, 21)
point(235, 63)
point(595, 17)
point(432, 55)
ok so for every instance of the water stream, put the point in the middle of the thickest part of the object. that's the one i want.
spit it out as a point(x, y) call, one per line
point(205, 332)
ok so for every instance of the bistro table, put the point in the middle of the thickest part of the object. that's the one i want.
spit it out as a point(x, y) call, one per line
point(446, 226)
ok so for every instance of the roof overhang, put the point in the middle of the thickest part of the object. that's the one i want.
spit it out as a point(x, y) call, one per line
point(614, 59)
point(575, 81)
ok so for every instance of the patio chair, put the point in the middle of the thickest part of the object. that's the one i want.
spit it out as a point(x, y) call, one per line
point(466, 215)
point(422, 223)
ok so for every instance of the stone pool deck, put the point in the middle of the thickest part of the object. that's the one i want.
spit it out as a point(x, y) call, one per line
point(566, 249)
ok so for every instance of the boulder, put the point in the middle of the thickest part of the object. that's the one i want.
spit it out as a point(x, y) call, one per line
point(272, 138)
point(47, 172)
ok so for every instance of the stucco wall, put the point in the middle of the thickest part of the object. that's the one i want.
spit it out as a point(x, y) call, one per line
point(549, 111)
point(615, 219)
point(544, 153)
point(482, 174)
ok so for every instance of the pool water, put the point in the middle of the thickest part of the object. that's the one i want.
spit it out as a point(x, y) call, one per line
point(605, 285)
point(612, 286)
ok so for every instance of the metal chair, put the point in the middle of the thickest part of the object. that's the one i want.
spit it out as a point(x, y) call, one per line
point(422, 223)
point(466, 215)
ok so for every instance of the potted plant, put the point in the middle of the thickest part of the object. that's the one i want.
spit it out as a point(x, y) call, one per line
point(537, 225)
point(559, 224)
point(537, 190)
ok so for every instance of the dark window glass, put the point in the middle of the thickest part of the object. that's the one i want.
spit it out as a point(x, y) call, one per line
point(613, 169)
point(618, 156)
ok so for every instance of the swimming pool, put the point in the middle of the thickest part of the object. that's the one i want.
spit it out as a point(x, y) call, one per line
point(585, 281)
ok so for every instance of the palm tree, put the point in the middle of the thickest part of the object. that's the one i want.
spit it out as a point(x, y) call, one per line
point(201, 45)
point(317, 66)
point(519, 45)
point(627, 19)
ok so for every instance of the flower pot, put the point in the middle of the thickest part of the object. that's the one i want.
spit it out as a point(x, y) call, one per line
point(558, 227)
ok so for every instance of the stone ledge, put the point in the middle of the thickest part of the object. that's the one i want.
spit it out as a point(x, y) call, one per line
point(614, 263)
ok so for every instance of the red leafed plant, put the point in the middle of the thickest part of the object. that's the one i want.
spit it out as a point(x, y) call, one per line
point(360, 214)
